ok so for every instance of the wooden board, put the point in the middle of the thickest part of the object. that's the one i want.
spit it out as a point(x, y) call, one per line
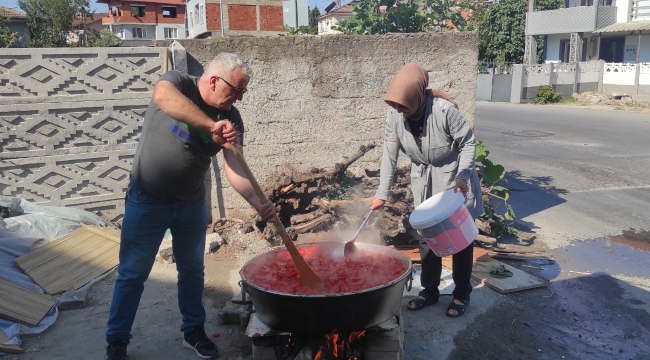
point(8, 348)
point(480, 254)
point(520, 280)
point(22, 305)
point(413, 253)
point(73, 260)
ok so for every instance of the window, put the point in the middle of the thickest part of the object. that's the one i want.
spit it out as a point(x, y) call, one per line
point(201, 14)
point(169, 11)
point(196, 15)
point(137, 10)
point(191, 20)
point(139, 33)
point(119, 32)
point(171, 33)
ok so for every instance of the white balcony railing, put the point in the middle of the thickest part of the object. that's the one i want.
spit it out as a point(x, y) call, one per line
point(570, 20)
point(640, 10)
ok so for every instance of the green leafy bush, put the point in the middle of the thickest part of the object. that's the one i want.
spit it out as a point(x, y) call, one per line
point(546, 95)
point(492, 183)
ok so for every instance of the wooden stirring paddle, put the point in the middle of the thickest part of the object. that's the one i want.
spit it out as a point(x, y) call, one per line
point(307, 275)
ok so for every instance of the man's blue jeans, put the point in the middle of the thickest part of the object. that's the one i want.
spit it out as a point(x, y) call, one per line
point(145, 222)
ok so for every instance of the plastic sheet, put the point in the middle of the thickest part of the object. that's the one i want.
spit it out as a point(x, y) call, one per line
point(20, 234)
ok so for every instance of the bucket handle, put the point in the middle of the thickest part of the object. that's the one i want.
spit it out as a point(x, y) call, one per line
point(242, 285)
point(409, 280)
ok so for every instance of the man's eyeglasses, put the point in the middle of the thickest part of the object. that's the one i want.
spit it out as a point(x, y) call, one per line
point(243, 91)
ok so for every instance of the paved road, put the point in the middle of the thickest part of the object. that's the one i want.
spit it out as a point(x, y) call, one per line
point(576, 173)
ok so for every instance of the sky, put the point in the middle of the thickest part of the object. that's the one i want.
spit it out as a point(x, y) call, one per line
point(104, 8)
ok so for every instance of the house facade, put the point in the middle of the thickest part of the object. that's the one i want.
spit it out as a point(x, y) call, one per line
point(17, 23)
point(234, 18)
point(89, 26)
point(142, 22)
point(331, 19)
point(615, 31)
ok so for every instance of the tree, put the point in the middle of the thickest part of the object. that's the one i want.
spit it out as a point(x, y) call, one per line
point(313, 20)
point(7, 38)
point(50, 21)
point(501, 27)
point(105, 38)
point(404, 17)
point(311, 29)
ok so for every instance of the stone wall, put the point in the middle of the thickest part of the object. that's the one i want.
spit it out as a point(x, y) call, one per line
point(314, 100)
point(70, 120)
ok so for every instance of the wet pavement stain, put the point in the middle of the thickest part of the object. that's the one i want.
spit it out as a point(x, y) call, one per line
point(637, 239)
point(618, 255)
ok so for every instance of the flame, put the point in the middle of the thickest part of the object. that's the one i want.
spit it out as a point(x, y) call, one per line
point(335, 346)
point(290, 342)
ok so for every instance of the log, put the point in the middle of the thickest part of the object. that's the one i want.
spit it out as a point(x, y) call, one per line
point(343, 204)
point(520, 257)
point(301, 218)
point(486, 239)
point(518, 250)
point(339, 168)
point(310, 225)
point(483, 225)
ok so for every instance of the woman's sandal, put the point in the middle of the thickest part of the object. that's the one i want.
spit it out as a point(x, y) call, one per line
point(460, 308)
point(421, 301)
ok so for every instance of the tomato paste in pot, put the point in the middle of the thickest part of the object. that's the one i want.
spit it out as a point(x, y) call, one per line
point(276, 270)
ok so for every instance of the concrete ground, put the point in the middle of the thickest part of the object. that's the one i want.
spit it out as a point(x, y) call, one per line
point(579, 177)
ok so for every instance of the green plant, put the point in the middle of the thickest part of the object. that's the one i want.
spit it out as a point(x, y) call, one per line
point(335, 191)
point(293, 31)
point(570, 100)
point(105, 38)
point(50, 21)
point(390, 16)
point(7, 38)
point(501, 28)
point(492, 182)
point(546, 95)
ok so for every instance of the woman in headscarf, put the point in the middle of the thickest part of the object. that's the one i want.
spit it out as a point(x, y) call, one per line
point(440, 144)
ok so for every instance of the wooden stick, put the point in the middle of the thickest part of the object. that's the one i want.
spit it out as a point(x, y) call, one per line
point(307, 275)
point(165, 60)
point(100, 233)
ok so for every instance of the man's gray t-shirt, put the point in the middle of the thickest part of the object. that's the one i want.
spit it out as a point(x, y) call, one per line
point(172, 159)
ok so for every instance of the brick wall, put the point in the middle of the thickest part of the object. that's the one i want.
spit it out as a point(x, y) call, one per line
point(180, 15)
point(271, 18)
point(213, 16)
point(242, 17)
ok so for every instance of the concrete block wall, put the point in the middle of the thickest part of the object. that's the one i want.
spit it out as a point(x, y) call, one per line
point(314, 100)
point(70, 120)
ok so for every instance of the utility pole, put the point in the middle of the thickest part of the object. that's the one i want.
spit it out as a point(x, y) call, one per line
point(295, 2)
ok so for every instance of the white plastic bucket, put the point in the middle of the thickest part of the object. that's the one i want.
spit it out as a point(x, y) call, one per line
point(445, 223)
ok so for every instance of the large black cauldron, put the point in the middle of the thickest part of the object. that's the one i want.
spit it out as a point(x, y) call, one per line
point(321, 314)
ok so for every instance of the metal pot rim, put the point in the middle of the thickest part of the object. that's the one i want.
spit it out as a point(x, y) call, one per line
point(407, 272)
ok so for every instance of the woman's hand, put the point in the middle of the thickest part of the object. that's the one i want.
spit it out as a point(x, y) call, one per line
point(377, 204)
point(461, 185)
point(442, 94)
